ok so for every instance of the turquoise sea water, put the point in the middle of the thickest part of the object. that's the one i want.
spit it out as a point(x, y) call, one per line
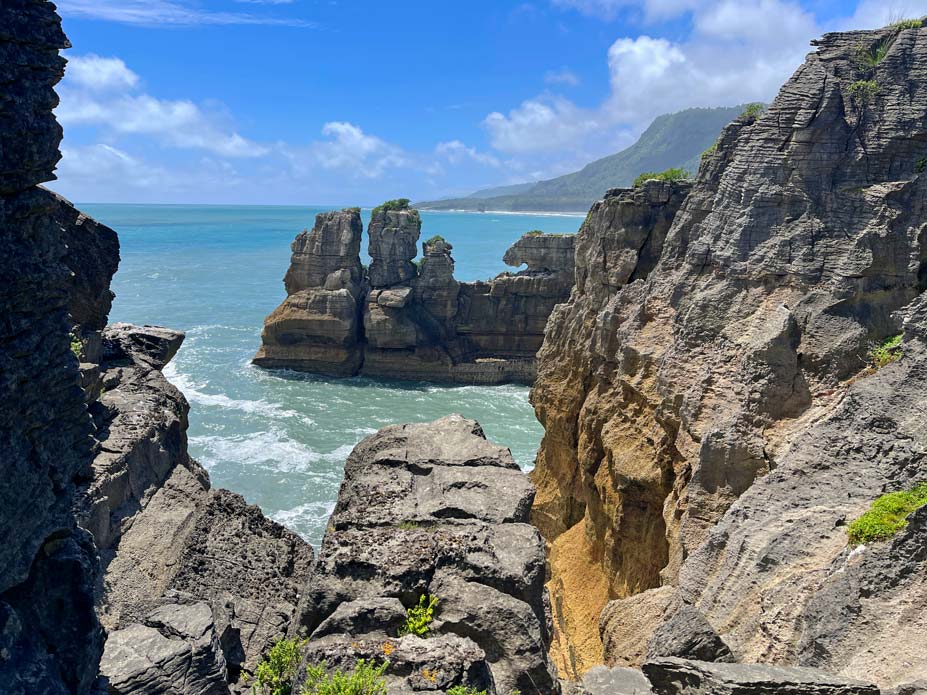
point(281, 438)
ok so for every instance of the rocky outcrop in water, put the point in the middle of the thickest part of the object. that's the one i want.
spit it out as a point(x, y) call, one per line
point(711, 421)
point(50, 640)
point(402, 321)
point(433, 509)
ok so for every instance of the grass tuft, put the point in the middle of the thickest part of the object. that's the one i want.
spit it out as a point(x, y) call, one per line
point(365, 679)
point(887, 515)
point(886, 352)
point(418, 618)
point(753, 111)
point(868, 58)
point(712, 148)
point(903, 24)
point(464, 690)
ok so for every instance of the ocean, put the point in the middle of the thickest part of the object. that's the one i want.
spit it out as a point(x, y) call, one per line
point(280, 438)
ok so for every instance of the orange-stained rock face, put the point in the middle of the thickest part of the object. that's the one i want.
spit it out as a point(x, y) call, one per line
point(709, 332)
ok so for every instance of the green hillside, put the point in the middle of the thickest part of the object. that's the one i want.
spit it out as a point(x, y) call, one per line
point(672, 140)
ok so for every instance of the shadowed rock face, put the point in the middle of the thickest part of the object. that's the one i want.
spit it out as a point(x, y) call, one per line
point(433, 509)
point(400, 321)
point(709, 426)
point(50, 640)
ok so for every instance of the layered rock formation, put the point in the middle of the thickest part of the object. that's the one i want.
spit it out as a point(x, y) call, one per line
point(711, 424)
point(50, 640)
point(433, 509)
point(402, 321)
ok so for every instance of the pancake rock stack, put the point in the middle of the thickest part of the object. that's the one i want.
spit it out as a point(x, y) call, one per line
point(399, 320)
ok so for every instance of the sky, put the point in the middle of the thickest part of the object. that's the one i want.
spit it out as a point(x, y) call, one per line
point(352, 102)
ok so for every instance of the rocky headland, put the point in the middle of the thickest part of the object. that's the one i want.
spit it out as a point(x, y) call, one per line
point(399, 319)
point(714, 416)
point(739, 372)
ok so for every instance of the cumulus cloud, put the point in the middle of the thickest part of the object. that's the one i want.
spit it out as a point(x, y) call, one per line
point(456, 152)
point(730, 57)
point(652, 10)
point(103, 93)
point(350, 149)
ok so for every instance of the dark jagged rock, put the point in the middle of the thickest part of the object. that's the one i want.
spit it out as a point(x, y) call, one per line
point(711, 419)
point(171, 545)
point(433, 509)
point(317, 327)
point(420, 323)
point(50, 640)
point(684, 677)
point(688, 635)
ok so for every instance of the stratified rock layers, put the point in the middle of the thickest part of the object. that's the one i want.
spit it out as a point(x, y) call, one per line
point(710, 425)
point(433, 509)
point(397, 320)
point(50, 640)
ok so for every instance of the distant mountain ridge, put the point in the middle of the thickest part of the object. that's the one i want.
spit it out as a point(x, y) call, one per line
point(672, 140)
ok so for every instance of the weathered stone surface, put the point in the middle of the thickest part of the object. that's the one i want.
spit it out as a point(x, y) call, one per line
point(726, 366)
point(420, 323)
point(683, 677)
point(151, 346)
point(393, 244)
point(50, 640)
point(317, 327)
point(433, 509)
point(600, 680)
point(176, 652)
point(688, 635)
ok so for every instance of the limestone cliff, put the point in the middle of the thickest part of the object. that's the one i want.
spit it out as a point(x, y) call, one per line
point(397, 320)
point(50, 640)
point(710, 419)
point(433, 509)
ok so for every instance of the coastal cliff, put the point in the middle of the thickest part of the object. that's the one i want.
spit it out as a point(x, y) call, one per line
point(399, 320)
point(713, 416)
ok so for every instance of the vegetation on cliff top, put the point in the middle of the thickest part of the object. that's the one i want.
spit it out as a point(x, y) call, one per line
point(435, 239)
point(397, 204)
point(418, 620)
point(887, 516)
point(675, 174)
point(753, 111)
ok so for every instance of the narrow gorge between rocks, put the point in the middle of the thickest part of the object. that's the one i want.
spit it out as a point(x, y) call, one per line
point(729, 371)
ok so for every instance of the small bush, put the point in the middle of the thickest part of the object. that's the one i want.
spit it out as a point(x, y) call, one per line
point(753, 111)
point(535, 232)
point(464, 690)
point(77, 347)
point(408, 525)
point(365, 679)
point(710, 151)
point(668, 175)
point(274, 674)
point(863, 91)
point(887, 515)
point(886, 352)
point(435, 239)
point(418, 618)
point(398, 204)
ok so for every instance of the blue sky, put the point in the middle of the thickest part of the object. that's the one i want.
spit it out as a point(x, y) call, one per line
point(352, 102)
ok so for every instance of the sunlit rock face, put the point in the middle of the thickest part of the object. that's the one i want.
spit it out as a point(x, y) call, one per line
point(710, 420)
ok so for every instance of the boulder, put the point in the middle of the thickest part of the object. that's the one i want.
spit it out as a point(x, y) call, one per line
point(152, 346)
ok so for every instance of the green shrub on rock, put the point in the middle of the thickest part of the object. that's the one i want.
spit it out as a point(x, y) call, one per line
point(886, 352)
point(887, 515)
point(397, 204)
point(863, 91)
point(274, 674)
point(464, 690)
point(674, 174)
point(77, 347)
point(753, 111)
point(419, 617)
point(365, 679)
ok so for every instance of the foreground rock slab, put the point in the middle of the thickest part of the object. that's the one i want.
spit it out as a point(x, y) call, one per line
point(433, 509)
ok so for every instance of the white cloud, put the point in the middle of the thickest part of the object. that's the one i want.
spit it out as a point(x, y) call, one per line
point(456, 152)
point(100, 74)
point(155, 13)
point(562, 76)
point(652, 10)
point(871, 14)
point(102, 93)
point(730, 57)
point(351, 149)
